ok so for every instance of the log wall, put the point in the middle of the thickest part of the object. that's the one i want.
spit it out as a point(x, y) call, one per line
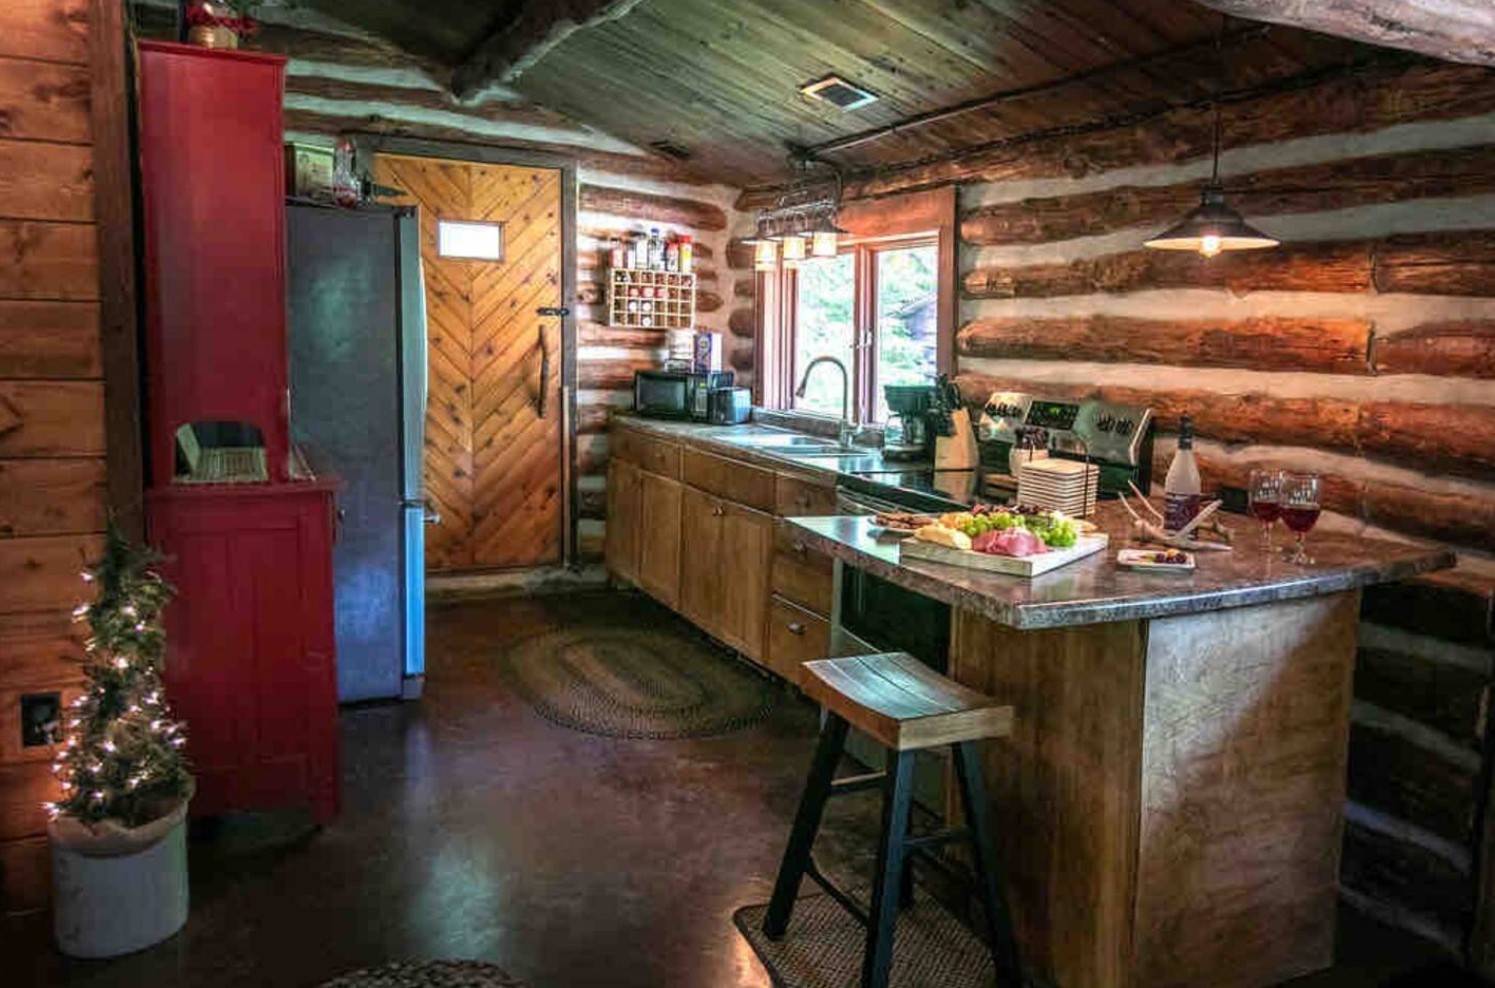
point(1363, 349)
point(342, 80)
point(52, 426)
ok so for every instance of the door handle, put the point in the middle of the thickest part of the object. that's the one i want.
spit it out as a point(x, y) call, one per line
point(430, 515)
point(559, 311)
point(544, 374)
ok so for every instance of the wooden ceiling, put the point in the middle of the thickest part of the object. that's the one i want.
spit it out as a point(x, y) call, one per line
point(721, 77)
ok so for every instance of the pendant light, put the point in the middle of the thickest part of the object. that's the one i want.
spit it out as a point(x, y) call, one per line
point(765, 255)
point(825, 238)
point(793, 250)
point(1212, 227)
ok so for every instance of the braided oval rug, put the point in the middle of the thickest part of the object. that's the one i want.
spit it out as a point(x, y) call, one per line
point(428, 974)
point(636, 683)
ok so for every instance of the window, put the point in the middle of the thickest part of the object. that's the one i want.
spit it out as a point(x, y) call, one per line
point(874, 307)
point(473, 241)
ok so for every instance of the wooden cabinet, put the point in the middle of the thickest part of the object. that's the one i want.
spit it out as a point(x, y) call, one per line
point(731, 479)
point(795, 636)
point(801, 574)
point(659, 537)
point(624, 520)
point(724, 574)
point(799, 497)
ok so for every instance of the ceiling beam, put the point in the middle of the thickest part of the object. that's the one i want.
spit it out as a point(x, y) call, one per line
point(1454, 30)
point(528, 36)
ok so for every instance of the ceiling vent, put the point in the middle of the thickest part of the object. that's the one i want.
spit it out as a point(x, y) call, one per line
point(838, 92)
point(671, 150)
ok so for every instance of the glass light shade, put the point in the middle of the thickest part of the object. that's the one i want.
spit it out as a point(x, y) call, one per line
point(793, 249)
point(765, 256)
point(825, 243)
point(1212, 228)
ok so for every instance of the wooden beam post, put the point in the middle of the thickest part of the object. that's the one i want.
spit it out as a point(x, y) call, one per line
point(1454, 30)
point(538, 27)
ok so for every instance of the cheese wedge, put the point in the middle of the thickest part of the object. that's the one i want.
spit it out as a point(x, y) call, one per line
point(940, 535)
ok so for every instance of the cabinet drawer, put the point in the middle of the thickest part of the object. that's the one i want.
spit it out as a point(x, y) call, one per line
point(800, 573)
point(795, 636)
point(655, 455)
point(731, 479)
point(796, 496)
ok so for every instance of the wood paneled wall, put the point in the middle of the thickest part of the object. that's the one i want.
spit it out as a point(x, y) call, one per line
point(52, 424)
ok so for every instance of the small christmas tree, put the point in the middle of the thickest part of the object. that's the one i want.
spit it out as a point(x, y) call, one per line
point(122, 758)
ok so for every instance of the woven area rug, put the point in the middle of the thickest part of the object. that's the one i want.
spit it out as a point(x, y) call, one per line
point(823, 947)
point(636, 683)
point(428, 974)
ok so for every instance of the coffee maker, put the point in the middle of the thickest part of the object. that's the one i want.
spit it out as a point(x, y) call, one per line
point(906, 435)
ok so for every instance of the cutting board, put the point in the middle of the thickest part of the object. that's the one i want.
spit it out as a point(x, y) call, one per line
point(1028, 566)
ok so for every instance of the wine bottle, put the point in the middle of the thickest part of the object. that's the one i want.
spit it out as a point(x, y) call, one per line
point(1181, 488)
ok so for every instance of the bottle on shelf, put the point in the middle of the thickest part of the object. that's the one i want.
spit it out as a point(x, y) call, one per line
point(687, 254)
point(639, 248)
point(672, 255)
point(616, 254)
point(1181, 487)
point(656, 250)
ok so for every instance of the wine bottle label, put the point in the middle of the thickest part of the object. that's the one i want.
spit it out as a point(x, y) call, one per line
point(1179, 510)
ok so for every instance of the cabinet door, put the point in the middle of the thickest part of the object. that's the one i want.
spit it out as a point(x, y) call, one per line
point(702, 594)
point(795, 636)
point(621, 540)
point(742, 566)
point(659, 537)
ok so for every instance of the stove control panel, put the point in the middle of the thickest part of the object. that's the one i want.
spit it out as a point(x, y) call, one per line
point(1106, 432)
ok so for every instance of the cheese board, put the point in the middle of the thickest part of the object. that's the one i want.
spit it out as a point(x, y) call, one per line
point(1025, 566)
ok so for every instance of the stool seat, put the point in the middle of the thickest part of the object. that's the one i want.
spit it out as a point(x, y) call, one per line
point(902, 703)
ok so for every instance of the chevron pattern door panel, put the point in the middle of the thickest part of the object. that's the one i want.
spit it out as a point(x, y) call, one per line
point(493, 427)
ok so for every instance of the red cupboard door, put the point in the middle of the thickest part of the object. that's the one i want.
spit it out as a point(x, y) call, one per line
point(249, 657)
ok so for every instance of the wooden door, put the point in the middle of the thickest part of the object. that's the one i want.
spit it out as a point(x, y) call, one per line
point(494, 439)
point(742, 570)
point(702, 594)
point(621, 548)
point(659, 536)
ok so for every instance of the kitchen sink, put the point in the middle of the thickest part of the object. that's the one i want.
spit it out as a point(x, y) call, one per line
point(786, 441)
point(830, 449)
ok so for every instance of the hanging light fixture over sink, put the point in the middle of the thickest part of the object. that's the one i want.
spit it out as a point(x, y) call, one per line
point(802, 223)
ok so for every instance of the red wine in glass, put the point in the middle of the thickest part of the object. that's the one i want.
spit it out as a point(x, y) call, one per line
point(1266, 512)
point(1300, 519)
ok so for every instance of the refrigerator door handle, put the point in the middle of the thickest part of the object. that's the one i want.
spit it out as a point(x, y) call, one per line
point(430, 515)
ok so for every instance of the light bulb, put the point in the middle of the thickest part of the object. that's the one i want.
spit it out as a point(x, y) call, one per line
point(1209, 244)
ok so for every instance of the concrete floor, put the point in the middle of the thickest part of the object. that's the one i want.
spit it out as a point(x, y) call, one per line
point(472, 828)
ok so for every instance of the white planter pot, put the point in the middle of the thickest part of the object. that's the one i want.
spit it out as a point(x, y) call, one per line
point(121, 891)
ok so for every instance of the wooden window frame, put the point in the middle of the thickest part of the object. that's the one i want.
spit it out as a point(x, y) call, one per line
point(916, 219)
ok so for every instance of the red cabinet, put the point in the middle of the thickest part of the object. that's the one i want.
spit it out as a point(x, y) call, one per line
point(249, 661)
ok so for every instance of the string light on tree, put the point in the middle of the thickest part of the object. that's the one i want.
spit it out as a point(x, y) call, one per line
point(122, 757)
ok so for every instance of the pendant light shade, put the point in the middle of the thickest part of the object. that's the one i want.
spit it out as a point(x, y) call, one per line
point(825, 238)
point(765, 255)
point(1211, 228)
point(793, 249)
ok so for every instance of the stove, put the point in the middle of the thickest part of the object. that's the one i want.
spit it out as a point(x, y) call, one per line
point(914, 489)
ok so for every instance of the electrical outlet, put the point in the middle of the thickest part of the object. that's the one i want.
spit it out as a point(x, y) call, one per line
point(41, 719)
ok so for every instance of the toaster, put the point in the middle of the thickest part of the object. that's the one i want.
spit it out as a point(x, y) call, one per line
point(729, 406)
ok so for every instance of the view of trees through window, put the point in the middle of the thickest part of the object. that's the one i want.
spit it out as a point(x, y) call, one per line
point(903, 303)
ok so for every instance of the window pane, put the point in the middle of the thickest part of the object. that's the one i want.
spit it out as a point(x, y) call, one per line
point(907, 307)
point(479, 241)
point(824, 328)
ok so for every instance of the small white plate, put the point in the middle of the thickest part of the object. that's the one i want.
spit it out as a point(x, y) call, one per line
point(1146, 559)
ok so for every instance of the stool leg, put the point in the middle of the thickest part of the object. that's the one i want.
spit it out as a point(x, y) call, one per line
point(999, 935)
point(906, 882)
point(898, 792)
point(806, 823)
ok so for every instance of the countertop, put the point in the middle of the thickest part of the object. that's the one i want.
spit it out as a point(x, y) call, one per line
point(1094, 590)
point(1090, 591)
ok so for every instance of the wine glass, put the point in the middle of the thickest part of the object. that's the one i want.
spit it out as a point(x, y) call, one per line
point(1300, 509)
point(1266, 502)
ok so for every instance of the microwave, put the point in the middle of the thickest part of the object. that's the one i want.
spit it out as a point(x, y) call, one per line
point(676, 394)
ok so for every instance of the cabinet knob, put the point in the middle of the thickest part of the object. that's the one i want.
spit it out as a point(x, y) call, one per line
point(803, 500)
point(718, 510)
point(795, 628)
point(799, 547)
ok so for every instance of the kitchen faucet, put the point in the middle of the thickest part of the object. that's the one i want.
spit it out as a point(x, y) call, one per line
point(844, 433)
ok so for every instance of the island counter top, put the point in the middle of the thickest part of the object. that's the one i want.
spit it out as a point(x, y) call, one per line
point(1095, 590)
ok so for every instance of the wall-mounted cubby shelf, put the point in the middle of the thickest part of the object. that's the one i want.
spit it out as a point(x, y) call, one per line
point(646, 299)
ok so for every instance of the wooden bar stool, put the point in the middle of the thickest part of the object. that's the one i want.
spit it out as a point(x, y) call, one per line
point(906, 706)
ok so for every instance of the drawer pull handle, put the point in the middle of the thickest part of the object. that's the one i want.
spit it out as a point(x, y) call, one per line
point(800, 547)
point(718, 510)
point(795, 628)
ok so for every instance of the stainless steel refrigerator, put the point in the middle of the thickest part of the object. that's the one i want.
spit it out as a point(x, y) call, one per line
point(357, 326)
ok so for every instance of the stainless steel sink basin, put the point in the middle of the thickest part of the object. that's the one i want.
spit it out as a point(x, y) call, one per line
point(786, 441)
point(831, 449)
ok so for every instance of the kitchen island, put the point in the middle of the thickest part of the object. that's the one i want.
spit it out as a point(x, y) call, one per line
point(1170, 804)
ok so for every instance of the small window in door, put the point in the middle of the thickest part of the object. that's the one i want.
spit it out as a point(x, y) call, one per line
point(470, 241)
